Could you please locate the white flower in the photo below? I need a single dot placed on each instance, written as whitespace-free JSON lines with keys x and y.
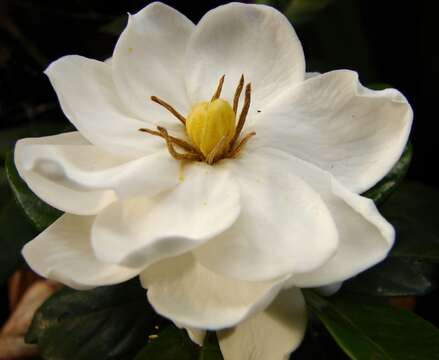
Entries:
{"x":222,"y":240}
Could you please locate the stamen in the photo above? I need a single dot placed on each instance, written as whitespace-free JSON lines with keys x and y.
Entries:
{"x":238,"y":94}
{"x":183,"y":144}
{"x":234,"y":153}
{"x":244,"y":112}
{"x":176,"y":155}
{"x":169,"y":108}
{"x":218,"y":89}
{"x":217,"y":150}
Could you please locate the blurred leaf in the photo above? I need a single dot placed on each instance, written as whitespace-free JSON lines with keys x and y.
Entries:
{"x":111,"y":322}
{"x":210,"y":349}
{"x":366,"y":328}
{"x":298,"y":11}
{"x":414,"y":211}
{"x":8,"y":137}
{"x":172,"y":343}
{"x":379,"y":86}
{"x":41,"y":214}
{"x":412,"y":265}
{"x":116,"y":26}
{"x":5,"y":191}
{"x":395,"y":277}
{"x":16,"y":230}
{"x":381,"y":191}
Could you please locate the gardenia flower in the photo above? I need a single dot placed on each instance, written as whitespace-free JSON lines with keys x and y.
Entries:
{"x":209,"y":163}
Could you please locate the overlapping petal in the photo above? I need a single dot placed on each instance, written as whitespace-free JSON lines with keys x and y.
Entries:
{"x":236,"y":39}
{"x":311,"y":253}
{"x":148,"y":60}
{"x":334,"y":122}
{"x":63,"y":253}
{"x":88,"y":98}
{"x":142,"y":230}
{"x":185,"y":291}
{"x":270,"y":334}
{"x":75,"y":176}
{"x":284,"y":227}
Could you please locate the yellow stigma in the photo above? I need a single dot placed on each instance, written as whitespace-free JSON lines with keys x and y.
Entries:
{"x":209,"y":122}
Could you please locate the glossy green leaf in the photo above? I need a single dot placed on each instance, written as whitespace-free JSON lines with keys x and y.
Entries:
{"x":395,"y":277}
{"x":381,"y":191}
{"x":366,"y":328}
{"x":40,"y":213}
{"x":414,"y":211}
{"x":172,"y":343}
{"x":16,"y":230}
{"x":412,"y":267}
{"x":111,"y":322}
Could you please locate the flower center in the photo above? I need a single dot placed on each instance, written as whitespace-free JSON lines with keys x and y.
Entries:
{"x":210,"y":126}
{"x":209,"y":122}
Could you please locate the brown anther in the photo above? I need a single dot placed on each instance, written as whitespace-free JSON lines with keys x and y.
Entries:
{"x":169,"y":108}
{"x":238,"y":92}
{"x":217,"y":151}
{"x":243,"y":115}
{"x":183,"y":144}
{"x":218,"y":89}
{"x":234,"y":153}
{"x":176,"y":155}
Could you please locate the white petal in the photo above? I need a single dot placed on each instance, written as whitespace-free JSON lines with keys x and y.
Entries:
{"x":143,"y":230}
{"x":186,"y":292}
{"x":331,"y":120}
{"x":77,"y":177}
{"x":88,"y":98}
{"x":330,"y":289}
{"x":365,"y":237}
{"x":148,"y":60}
{"x":63,"y":253}
{"x":235,"y":39}
{"x":196,"y":335}
{"x":284,"y":225}
{"x":271,"y":334}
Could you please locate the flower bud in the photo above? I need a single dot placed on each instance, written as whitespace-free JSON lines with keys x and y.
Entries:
{"x":209,"y":122}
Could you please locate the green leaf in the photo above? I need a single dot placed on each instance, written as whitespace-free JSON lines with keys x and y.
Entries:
{"x":395,"y":277}
{"x":40,"y":214}
{"x":412,"y":265}
{"x":381,"y":191}
{"x":210,"y":349}
{"x":16,"y":230}
{"x":413,"y":210}
{"x":116,"y":26}
{"x":366,"y":328}
{"x":111,"y":322}
{"x":5,"y":191}
{"x":298,"y":11}
{"x":172,"y":343}
{"x":9,"y":136}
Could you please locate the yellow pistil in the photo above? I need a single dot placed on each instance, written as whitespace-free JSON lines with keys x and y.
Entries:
{"x":209,"y":122}
{"x":211,"y":127}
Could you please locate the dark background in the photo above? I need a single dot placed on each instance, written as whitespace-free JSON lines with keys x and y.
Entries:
{"x":392,"y":42}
